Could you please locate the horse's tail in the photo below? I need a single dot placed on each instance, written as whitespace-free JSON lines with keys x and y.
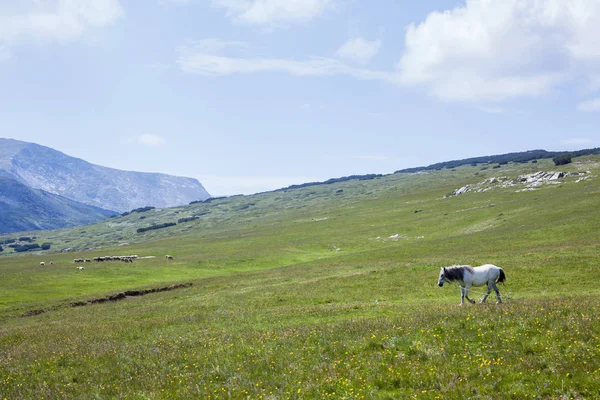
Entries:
{"x":502,"y":276}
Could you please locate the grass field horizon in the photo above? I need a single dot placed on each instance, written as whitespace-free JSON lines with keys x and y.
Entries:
{"x":321,"y":292}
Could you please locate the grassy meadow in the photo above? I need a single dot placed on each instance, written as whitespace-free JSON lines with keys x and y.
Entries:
{"x":319,"y":292}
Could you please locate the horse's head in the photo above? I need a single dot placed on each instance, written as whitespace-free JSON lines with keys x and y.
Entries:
{"x":442,"y":277}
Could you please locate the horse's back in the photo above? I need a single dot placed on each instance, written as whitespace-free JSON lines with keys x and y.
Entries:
{"x":485,"y":273}
{"x":501,"y":276}
{"x":488,"y":266}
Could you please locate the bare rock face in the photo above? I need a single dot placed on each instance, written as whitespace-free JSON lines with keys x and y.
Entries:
{"x":43,"y":168}
{"x":540,"y":177}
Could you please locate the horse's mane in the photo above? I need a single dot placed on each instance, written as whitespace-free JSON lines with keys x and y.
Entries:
{"x":457,"y":272}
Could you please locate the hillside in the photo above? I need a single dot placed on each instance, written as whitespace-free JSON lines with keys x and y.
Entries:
{"x":222,"y":214}
{"x":325,"y":291}
{"x":43,"y":168}
{"x":25,"y":209}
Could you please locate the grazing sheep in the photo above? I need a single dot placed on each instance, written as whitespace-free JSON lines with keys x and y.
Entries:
{"x":168,"y":257}
{"x":51,"y":263}
{"x":42,"y":263}
{"x":80,"y":268}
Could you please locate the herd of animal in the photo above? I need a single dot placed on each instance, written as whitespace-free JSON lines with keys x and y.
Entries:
{"x":127,"y":259}
{"x":107,"y":258}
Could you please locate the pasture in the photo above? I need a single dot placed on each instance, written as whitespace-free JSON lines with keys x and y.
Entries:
{"x":316,"y":293}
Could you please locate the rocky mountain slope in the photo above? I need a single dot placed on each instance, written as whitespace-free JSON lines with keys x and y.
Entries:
{"x":26,"y":209}
{"x":43,"y":168}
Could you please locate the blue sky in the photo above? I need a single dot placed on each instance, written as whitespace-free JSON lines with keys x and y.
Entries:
{"x":254,"y":95}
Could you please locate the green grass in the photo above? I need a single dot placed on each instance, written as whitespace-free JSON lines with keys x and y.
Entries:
{"x":276,"y":312}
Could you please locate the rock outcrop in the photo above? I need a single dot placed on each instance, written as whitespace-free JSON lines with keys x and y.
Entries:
{"x":522,"y":183}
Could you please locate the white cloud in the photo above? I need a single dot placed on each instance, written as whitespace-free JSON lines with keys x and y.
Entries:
{"x":359,"y":50}
{"x":207,"y":57}
{"x":53,"y":20}
{"x":274,"y":12}
{"x":150,"y":140}
{"x":492,"y":50}
{"x":590,"y":105}
{"x":213,"y":46}
{"x":484,"y":51}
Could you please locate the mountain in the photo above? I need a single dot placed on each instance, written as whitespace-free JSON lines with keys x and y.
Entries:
{"x":26,"y":209}
{"x":44,"y":168}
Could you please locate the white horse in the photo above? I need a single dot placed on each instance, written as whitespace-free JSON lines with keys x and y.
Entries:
{"x":467,"y":276}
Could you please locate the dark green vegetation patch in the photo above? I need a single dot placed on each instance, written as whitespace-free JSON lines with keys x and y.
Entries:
{"x":158,"y":226}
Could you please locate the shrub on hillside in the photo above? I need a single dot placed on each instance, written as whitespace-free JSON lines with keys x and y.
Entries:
{"x":1,"y":249}
{"x":143,"y":209}
{"x":182,"y":220}
{"x":243,"y":207}
{"x":26,"y":247}
{"x":159,"y":226}
{"x":335,"y":180}
{"x":46,"y":246}
{"x":562,"y":159}
{"x":211,"y":199}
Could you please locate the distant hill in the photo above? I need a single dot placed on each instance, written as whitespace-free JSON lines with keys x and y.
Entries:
{"x":26,"y":209}
{"x":520,"y":157}
{"x":43,"y":168}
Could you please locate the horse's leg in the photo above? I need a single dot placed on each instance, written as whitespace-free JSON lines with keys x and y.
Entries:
{"x":490,"y":285}
{"x":497,"y":293}
{"x":462,"y":295}
{"x":467,"y":288}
